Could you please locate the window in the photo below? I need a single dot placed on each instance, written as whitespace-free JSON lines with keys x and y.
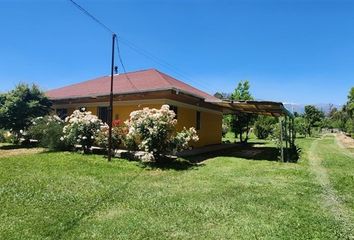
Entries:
{"x":198,"y":120}
{"x":103,"y":114}
{"x":62,"y":113}
{"x":175,"y":109}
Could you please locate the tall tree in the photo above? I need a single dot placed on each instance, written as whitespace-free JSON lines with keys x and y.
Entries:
{"x":19,"y":106}
{"x":313,"y":117}
{"x":242,"y":121}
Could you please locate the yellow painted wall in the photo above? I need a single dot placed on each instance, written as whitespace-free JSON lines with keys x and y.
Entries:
{"x":211,"y":123}
{"x":210,"y":129}
{"x":123,"y":112}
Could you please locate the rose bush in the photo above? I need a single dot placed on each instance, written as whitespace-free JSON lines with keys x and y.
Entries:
{"x":154,"y":131}
{"x":119,"y":131}
{"x":82,"y":128}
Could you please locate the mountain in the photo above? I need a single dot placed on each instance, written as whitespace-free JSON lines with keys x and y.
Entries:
{"x":300,"y":108}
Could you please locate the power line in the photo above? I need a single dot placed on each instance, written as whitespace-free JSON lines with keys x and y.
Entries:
{"x":121,"y":62}
{"x":139,"y":50}
{"x":83,"y":10}
{"x":91,"y":16}
{"x":161,"y":62}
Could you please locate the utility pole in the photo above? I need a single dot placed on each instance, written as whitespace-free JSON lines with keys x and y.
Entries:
{"x":110,"y":117}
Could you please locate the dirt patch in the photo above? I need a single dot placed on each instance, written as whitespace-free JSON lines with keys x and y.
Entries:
{"x":19,"y":151}
{"x":345,"y":141}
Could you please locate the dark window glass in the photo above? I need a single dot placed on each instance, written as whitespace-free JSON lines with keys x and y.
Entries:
{"x":103,"y":114}
{"x":198,"y":120}
{"x":175,"y":109}
{"x":62,"y":113}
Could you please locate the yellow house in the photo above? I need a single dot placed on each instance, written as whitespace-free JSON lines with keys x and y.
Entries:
{"x":147,"y":88}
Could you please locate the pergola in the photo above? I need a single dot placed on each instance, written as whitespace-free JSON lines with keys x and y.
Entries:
{"x":268,"y":108}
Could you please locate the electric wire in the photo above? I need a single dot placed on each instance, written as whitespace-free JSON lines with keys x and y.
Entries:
{"x":138,"y":50}
{"x":91,"y":16}
{"x":122,"y":64}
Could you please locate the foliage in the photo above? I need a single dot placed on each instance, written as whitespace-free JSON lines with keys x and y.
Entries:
{"x":82,"y":128}
{"x":48,"y":130}
{"x":341,"y":119}
{"x":264,"y":126}
{"x":241,"y":122}
{"x":21,"y":105}
{"x":279,"y":136}
{"x":153,"y":131}
{"x":225,"y":128}
{"x":313,"y":117}
{"x":2,"y":135}
{"x":300,"y":126}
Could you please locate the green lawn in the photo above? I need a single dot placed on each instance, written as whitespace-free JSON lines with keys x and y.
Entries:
{"x":71,"y":196}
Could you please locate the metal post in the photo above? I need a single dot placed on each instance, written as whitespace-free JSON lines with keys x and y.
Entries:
{"x":110,"y":117}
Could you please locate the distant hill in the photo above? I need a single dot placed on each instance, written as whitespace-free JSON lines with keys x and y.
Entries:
{"x":300,"y":108}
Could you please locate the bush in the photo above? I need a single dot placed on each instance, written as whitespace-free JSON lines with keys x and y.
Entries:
{"x":2,"y":136}
{"x":82,"y":128}
{"x":48,"y":130}
{"x":264,"y":126}
{"x":153,"y":131}
{"x":119,"y":130}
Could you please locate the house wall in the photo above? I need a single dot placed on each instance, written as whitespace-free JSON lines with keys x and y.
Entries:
{"x":210,"y":131}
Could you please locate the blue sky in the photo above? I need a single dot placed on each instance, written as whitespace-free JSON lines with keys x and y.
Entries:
{"x":290,"y":50}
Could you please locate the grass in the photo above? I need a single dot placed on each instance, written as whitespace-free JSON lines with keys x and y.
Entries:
{"x":71,"y":196}
{"x":340,"y":166}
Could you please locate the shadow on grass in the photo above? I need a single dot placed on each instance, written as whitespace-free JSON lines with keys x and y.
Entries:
{"x":178,"y":164}
{"x":13,"y":147}
{"x":250,"y":151}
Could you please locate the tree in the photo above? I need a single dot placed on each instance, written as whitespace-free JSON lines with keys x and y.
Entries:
{"x":21,"y":105}
{"x":242,"y":121}
{"x":350,"y":103}
{"x":313,"y":117}
{"x":300,"y":126}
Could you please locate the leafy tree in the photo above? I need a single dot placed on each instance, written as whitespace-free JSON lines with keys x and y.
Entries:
{"x":242,"y":121}
{"x":313,"y":117}
{"x":350,"y":103}
{"x":242,"y":92}
{"x":21,"y":105}
{"x":300,"y":126}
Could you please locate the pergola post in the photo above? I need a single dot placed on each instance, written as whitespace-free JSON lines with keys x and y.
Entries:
{"x":281,"y":140}
{"x":292,"y":132}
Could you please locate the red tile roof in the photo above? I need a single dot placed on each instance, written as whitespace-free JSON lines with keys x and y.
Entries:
{"x":133,"y":82}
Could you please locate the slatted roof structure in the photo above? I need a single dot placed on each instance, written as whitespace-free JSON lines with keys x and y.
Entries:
{"x":275,"y":109}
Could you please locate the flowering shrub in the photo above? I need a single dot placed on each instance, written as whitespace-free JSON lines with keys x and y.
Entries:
{"x":119,"y":130}
{"x":153,"y":131}
{"x":48,"y":130}
{"x":82,"y":128}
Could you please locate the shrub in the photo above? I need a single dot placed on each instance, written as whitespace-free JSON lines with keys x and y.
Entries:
{"x":119,"y":130}
{"x":82,"y":128}
{"x":48,"y":130}
{"x":264,"y":126}
{"x":154,"y":131}
{"x":2,"y":136}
